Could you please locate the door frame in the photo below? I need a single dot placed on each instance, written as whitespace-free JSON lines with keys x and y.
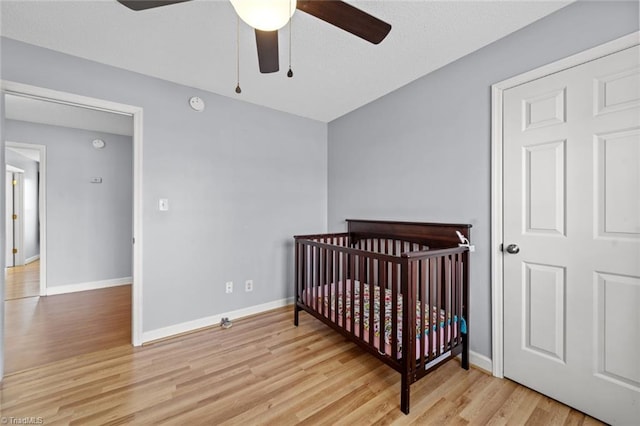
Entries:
{"x":42,"y":206}
{"x":497,"y":95}
{"x":136,"y":113}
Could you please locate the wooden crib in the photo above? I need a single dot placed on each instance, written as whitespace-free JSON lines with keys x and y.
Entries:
{"x":352,"y":281}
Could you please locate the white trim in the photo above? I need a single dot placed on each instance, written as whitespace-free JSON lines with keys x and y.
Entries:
{"x":92,"y":285}
{"x":185,"y":327}
{"x":479,"y":361}
{"x":136,"y":291}
{"x":117,"y":108}
{"x":42,"y":207}
{"x":35,"y":92}
{"x":32,"y":259}
{"x":497,"y":331}
{"x":497,"y":95}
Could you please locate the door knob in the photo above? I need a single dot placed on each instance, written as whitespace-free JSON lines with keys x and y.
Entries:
{"x":513,"y":249}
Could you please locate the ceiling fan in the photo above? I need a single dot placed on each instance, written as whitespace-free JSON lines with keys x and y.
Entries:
{"x":335,"y":12}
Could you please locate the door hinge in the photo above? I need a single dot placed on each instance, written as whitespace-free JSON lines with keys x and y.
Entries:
{"x":134,"y":240}
{"x":15,"y":217}
{"x":14,"y":182}
{"x":15,"y":250}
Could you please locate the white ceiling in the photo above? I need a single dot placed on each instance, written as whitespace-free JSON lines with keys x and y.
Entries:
{"x":31,"y":154}
{"x":194,"y":44}
{"x":45,"y":112}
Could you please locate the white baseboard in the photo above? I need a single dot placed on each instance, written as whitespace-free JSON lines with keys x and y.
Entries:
{"x":93,"y":285}
{"x":31,"y":259}
{"x":172,"y":330}
{"x":480,"y":361}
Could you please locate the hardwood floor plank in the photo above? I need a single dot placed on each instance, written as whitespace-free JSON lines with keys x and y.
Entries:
{"x":263,"y":370}
{"x":22,"y":281}
{"x":52,"y":328}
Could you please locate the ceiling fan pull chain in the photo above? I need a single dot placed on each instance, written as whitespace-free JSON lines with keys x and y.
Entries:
{"x":238,"y":89}
{"x":290,"y":73}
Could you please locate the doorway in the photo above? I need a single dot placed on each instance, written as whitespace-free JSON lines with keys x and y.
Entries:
{"x":25,"y":273}
{"x":134,"y":115}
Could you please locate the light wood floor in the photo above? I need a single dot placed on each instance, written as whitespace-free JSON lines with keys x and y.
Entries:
{"x":40,"y":330}
{"x":22,"y":281}
{"x":263,"y":370}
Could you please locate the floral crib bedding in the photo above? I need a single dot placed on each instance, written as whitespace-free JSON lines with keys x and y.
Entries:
{"x":325,"y":299}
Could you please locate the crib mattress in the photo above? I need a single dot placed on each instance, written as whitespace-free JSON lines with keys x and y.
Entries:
{"x":325,"y":300}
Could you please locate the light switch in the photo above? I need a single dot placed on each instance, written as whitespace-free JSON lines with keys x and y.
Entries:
{"x":163,"y":204}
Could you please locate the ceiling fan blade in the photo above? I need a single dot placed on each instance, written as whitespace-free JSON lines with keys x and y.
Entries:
{"x":347,"y":17}
{"x":138,"y":5}
{"x":267,"y":42}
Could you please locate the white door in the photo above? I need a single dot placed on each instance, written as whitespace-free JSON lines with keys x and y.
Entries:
{"x":572,"y":207}
{"x":14,"y":200}
{"x":9,"y":246}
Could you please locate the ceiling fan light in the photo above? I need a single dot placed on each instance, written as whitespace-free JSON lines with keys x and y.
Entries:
{"x":265,"y":15}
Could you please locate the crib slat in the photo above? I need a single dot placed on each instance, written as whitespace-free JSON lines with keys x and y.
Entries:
{"x":424,"y":308}
{"x":433,"y":270}
{"x":448,"y":318}
{"x":439,"y":305}
{"x":371,"y":300}
{"x":299,"y":268}
{"x":455,"y":277}
{"x":337,"y":279}
{"x":410,"y":351}
{"x":394,"y":312}
{"x":329,"y":280}
{"x":428,"y":303}
{"x":461,"y":292}
{"x":382,"y":283}
{"x":316,"y":278}
{"x":349,"y":283}
{"x":361,"y":264}
{"x":312,"y":276}
{"x":323,"y":280}
{"x":307,"y":275}
{"x":454,"y":300}
{"x":308,"y":253}
{"x":462,"y":289}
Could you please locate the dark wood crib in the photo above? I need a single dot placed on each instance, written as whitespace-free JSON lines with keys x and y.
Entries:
{"x":363,"y":283}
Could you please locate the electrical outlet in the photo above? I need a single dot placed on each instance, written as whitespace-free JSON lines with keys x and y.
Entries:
{"x":229,"y":287}
{"x":248,"y":285}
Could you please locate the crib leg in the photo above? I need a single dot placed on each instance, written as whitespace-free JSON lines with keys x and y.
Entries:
{"x":404,"y":394}
{"x":465,"y":351}
{"x":296,"y":315}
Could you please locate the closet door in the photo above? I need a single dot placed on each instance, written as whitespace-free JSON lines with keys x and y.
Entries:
{"x":572,"y":236}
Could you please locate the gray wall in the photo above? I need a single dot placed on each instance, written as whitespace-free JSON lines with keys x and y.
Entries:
{"x":89,"y":226}
{"x":30,"y":215}
{"x":240,"y":179}
{"x":423,"y":152}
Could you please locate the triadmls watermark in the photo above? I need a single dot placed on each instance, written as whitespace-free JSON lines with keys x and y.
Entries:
{"x":27,"y":420}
